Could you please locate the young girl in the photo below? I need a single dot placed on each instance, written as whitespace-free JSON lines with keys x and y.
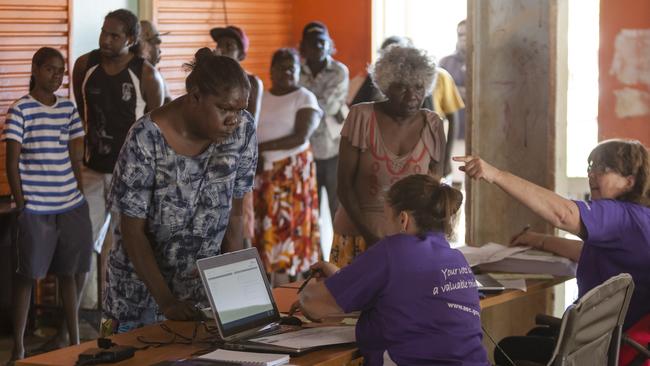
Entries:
{"x":417,"y":296}
{"x":43,"y":132}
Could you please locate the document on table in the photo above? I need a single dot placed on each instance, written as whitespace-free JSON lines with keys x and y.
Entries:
{"x":533,"y":261}
{"x":247,"y":358}
{"x":519,"y":284}
{"x":311,"y":337}
{"x":488,"y":253}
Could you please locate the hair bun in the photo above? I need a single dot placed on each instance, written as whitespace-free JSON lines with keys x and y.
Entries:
{"x":203,"y":55}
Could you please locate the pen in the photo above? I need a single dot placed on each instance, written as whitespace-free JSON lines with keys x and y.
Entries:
{"x":526,"y":228}
{"x":311,"y":275}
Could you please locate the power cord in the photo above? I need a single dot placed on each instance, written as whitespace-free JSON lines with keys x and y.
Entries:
{"x":177,"y":338}
{"x":109,"y":352}
{"x":512,"y":363}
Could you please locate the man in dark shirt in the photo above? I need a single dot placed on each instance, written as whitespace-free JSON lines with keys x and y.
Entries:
{"x":114,"y":87}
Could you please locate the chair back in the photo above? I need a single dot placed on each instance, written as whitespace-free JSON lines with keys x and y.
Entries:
{"x":590,"y":333}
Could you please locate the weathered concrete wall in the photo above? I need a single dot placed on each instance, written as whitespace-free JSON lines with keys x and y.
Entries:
{"x":512,"y":109}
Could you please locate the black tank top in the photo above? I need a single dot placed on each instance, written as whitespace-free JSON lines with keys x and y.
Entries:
{"x":112,"y":103}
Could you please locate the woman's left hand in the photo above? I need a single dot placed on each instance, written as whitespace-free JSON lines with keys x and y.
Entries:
{"x":477,"y":168}
{"x":530,"y":239}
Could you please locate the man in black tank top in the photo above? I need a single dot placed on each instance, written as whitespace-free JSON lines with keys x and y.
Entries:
{"x":113,"y":88}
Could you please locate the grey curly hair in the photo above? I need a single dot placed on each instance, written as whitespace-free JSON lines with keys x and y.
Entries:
{"x":405,"y":65}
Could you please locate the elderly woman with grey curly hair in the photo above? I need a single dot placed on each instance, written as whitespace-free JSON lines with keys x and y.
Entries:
{"x":383,"y":142}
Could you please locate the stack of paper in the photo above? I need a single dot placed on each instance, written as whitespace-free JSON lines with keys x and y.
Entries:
{"x":533,"y":261}
{"x":311,"y":337}
{"x":500,"y":258}
{"x":247,"y":358}
{"x":488,"y":253}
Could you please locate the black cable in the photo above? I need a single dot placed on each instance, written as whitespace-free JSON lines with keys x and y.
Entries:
{"x":178,"y":338}
{"x":512,"y":363}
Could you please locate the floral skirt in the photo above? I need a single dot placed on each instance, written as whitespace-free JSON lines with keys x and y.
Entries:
{"x":287,"y":233}
{"x":345,"y":248}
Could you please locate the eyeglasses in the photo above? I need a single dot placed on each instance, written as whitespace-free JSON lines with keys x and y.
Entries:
{"x":599,"y":169}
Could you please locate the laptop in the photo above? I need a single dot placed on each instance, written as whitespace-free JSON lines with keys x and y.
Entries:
{"x":487,"y":284}
{"x":242,"y":303}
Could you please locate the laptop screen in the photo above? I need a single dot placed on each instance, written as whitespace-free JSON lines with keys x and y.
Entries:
{"x":239,"y":292}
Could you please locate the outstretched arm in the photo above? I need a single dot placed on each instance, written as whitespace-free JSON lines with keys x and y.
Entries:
{"x":555,"y":209}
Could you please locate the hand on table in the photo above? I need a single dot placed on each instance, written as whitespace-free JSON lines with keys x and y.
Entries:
{"x":297,"y":307}
{"x":528,"y":238}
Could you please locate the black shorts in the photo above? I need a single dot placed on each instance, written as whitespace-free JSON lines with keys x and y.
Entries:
{"x":60,"y":244}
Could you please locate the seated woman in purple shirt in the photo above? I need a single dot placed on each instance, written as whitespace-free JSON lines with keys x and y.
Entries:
{"x":614,"y":225}
{"x":417,"y":296}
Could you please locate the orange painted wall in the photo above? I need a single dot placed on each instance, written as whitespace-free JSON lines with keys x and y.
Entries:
{"x":349,"y":24}
{"x":616,"y":15}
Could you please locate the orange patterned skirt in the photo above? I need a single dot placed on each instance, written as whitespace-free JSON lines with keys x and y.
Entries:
{"x":345,"y":248}
{"x":287,"y":232}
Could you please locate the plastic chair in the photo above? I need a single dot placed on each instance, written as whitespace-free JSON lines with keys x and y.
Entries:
{"x":590,"y":332}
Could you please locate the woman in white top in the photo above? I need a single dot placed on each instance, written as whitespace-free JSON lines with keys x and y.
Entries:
{"x":286,"y":198}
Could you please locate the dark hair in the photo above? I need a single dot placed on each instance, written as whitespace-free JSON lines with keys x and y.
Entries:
{"x":316,"y":27}
{"x":405,"y":41}
{"x":626,"y":157}
{"x":432,"y":204}
{"x":285,"y":53}
{"x":213,"y":74}
{"x":40,"y":58}
{"x":131,"y":26}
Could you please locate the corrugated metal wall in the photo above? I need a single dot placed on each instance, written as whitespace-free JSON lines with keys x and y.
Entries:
{"x":266,"y":22}
{"x":25,"y":26}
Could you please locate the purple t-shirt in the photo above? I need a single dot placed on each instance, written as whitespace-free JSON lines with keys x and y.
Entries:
{"x":617,"y":241}
{"x":418,"y":300}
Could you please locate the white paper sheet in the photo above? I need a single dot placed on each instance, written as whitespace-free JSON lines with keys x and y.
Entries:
{"x":247,"y":358}
{"x":311,"y":337}
{"x":519,"y":284}
{"x":488,"y":253}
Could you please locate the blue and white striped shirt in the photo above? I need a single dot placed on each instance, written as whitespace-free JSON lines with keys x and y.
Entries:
{"x":48,"y":182}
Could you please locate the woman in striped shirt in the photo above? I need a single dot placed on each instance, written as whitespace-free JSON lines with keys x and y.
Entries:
{"x":43,"y":131}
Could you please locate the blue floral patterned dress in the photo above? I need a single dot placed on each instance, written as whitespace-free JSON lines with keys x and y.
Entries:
{"x":186,"y":202}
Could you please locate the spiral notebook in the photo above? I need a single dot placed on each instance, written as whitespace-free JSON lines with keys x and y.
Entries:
{"x":247,"y":358}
